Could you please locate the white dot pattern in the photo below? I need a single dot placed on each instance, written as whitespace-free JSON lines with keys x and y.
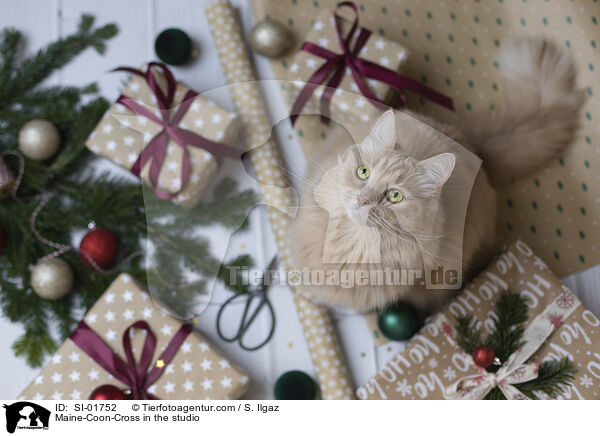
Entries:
{"x":320,"y":336}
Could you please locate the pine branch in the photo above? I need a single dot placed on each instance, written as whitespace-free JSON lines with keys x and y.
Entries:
{"x":507,"y":335}
{"x":553,"y":377}
{"x":468,"y":333}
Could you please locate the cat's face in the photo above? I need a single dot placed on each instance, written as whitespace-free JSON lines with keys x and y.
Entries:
{"x":378,"y":186}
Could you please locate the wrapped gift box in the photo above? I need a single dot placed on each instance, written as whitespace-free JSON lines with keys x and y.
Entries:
{"x":197,"y":371}
{"x":121,"y":136}
{"x":347,"y":102}
{"x":430,"y":363}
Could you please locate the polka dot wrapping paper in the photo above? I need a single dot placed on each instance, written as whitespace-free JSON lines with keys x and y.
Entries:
{"x":332,"y":374}
{"x":430,"y":363}
{"x":197,"y":371}
{"x":453,"y":46}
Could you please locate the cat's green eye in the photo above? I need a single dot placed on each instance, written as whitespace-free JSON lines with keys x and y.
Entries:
{"x":395,"y":196}
{"x":362,"y":172}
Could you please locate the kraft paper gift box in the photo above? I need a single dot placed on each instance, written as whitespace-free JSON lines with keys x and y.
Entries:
{"x":121,"y":136}
{"x":347,"y":102}
{"x":197,"y":371}
{"x":430,"y":363}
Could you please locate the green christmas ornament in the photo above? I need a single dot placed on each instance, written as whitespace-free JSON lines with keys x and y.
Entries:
{"x":173,"y":46}
{"x":295,"y":385}
{"x":398,"y":322}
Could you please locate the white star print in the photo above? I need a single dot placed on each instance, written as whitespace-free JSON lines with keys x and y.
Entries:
{"x":186,"y":347}
{"x":128,"y":295}
{"x":187,"y":366}
{"x":385,"y":61}
{"x":111,"y":145}
{"x":39,"y":379}
{"x":172,"y":166}
{"x":176,"y":183}
{"x":380,"y":44}
{"x":109,"y":298}
{"x":91,"y":319}
{"x":75,"y":395}
{"x":128,"y":141}
{"x":401,"y":56}
{"x":93,"y":374}
{"x":134,"y":86}
{"x":318,"y":26}
{"x":206,"y":364}
{"x":199,"y":123}
{"x":188,"y":385}
{"x":74,"y":357}
{"x":128,"y":314}
{"x":195,"y":106}
{"x":226,"y":382}
{"x":166,"y":330}
{"x":169,"y":369}
{"x":132,"y":157}
{"x":216,"y":118}
{"x":111,"y":334}
{"x":56,"y":359}
{"x":323,"y":42}
{"x":223,"y":364}
{"x":311,"y":63}
{"x":169,"y":387}
{"x":74,"y":376}
{"x":207,"y":384}
{"x":109,"y":316}
{"x":107,"y":128}
{"x":57,"y":395}
{"x":195,"y":178}
{"x":56,"y":377}
{"x":146,"y":313}
{"x":294,"y":68}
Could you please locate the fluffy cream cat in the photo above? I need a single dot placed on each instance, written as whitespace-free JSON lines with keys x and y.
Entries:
{"x":394,"y":200}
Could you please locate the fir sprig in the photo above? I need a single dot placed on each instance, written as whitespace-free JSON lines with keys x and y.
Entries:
{"x":506,"y":337}
{"x":81,"y":197}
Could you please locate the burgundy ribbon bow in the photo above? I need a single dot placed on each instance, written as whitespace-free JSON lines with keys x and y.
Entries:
{"x":336,"y":64}
{"x":132,"y":374}
{"x":157,"y":147}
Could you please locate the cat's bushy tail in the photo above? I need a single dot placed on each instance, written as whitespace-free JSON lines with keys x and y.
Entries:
{"x":539,"y":115}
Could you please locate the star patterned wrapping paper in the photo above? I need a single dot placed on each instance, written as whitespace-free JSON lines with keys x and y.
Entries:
{"x":346,"y":106}
{"x":429,"y":363}
{"x":453,"y":48}
{"x":121,"y":135}
{"x":196,"y":372}
{"x":319,"y":332}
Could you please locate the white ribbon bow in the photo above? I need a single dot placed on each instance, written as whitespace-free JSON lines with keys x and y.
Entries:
{"x":514,"y":370}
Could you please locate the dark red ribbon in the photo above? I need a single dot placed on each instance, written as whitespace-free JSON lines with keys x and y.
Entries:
{"x":157,"y":147}
{"x":134,"y":375}
{"x":361,"y":69}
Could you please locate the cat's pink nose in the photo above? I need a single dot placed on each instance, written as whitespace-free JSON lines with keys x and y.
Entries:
{"x":362,"y":201}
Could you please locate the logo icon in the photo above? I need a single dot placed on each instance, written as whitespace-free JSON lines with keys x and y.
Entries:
{"x":26,"y":415}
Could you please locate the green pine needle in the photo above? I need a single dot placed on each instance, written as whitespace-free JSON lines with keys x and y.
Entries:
{"x":81,"y":196}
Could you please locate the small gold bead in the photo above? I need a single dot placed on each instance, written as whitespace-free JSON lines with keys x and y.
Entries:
{"x":160,"y":363}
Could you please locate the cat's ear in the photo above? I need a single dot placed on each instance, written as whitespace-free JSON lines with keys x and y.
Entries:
{"x":383,"y":134}
{"x":437,"y":169}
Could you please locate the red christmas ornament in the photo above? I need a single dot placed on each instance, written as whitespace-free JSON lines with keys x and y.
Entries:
{"x":483,"y":355}
{"x":102,"y":246}
{"x":1,"y":238}
{"x":107,"y":392}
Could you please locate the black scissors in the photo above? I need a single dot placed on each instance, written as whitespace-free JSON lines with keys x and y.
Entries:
{"x":260,"y":293}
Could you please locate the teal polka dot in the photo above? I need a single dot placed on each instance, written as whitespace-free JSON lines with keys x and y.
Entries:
{"x":545,"y":21}
{"x":494,"y":87}
{"x":560,"y":184}
{"x":509,"y":226}
{"x":583,"y":211}
{"x":537,"y":182}
{"x":559,"y":233}
{"x":533,"y":229}
{"x":468,"y":106}
{"x":569,"y":19}
{"x":556,"y":255}
{"x":499,"y":21}
{"x":429,"y":15}
{"x":559,"y":208}
{"x":568,"y":43}
{"x":450,"y":38}
{"x":476,"y":19}
{"x":534,"y":205}
{"x":474,"y":40}
{"x":581,"y":258}
{"x":509,"y":202}
{"x":472,"y":61}
{"x":428,"y":36}
{"x":523,"y":22}
{"x":471,"y":84}
{"x":581,"y":234}
{"x":452,"y":16}
{"x":448,"y":59}
{"x":584,"y":187}
{"x":426,"y":56}
{"x":407,"y":12}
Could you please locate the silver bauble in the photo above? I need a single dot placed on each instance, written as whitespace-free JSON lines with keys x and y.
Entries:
{"x":39,"y":139}
{"x":52,"y":278}
{"x":270,"y":38}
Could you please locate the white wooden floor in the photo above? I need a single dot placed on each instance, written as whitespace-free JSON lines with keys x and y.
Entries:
{"x":140,"y":21}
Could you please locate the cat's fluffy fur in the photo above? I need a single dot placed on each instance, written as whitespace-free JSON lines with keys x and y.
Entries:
{"x":336,"y":230}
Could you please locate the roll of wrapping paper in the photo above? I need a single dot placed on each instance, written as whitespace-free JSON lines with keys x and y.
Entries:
{"x":326,"y":354}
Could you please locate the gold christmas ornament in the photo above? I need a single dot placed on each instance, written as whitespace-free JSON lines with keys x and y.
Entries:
{"x":270,"y":38}
{"x":52,"y":278}
{"x":39,"y":139}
